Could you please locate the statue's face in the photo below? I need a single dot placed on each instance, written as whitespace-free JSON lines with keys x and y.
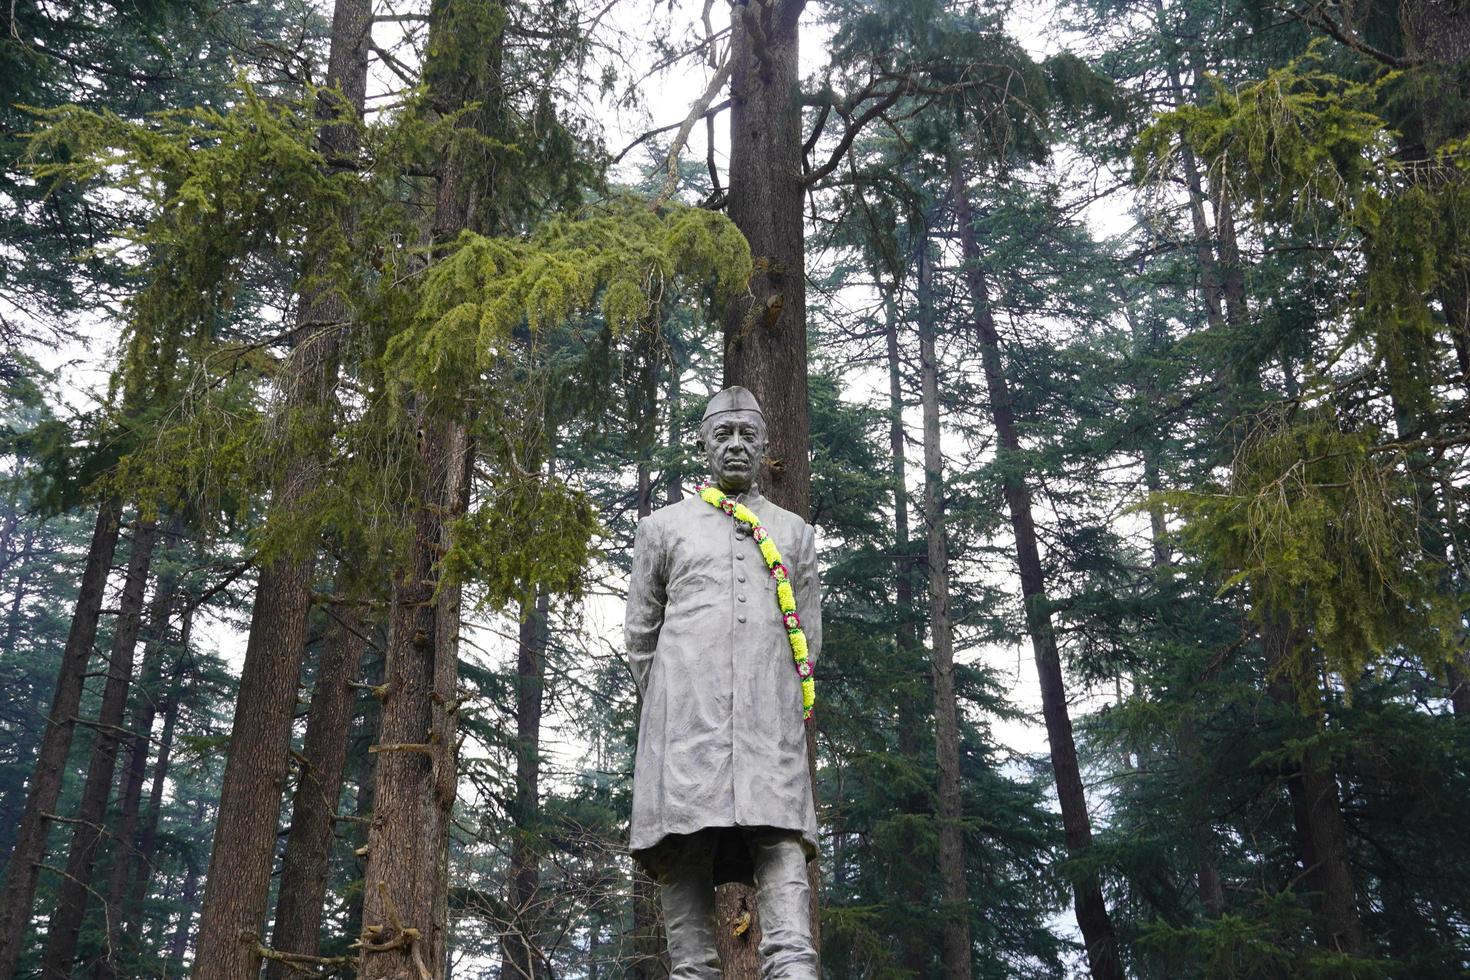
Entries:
{"x":734,"y":445}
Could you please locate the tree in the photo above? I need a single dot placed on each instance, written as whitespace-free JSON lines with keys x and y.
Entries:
{"x":238,"y":880}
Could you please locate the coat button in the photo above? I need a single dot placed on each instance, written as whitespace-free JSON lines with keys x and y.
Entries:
{"x":741,"y":597}
{"x":739,"y":557}
{"x":740,"y":618}
{"x":740,"y":578}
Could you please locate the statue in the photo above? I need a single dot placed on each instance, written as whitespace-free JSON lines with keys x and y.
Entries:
{"x":721,"y":790}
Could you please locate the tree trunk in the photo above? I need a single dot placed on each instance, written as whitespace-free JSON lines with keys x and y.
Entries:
{"x":30,"y":844}
{"x":24,"y":746}
{"x":765,"y":335}
{"x":179,"y":943}
{"x":145,"y":711}
{"x":1321,"y":833}
{"x":915,"y":951}
{"x":405,"y":924}
{"x":405,"y":890}
{"x":142,"y":863}
{"x":519,"y":946}
{"x":362,"y":811}
{"x":74,"y":888}
{"x":1092,"y":915}
{"x":956,"y":951}
{"x":307,"y":860}
{"x":17,"y":602}
{"x":238,"y":883}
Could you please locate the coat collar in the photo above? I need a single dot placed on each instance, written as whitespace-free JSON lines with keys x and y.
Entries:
{"x":751,"y":498}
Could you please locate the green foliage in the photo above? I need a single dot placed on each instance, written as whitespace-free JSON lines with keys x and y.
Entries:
{"x":221,"y":187}
{"x":617,"y":260}
{"x":1318,"y":524}
{"x":1300,"y":139}
{"x":1308,"y":147}
{"x":527,"y":535}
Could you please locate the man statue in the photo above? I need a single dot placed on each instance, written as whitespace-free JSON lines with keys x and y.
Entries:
{"x":721,"y":790}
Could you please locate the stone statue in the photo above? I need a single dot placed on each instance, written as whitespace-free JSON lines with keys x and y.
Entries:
{"x":721,"y":790}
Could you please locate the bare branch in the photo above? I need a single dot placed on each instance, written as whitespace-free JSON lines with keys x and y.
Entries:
{"x":700,"y":107}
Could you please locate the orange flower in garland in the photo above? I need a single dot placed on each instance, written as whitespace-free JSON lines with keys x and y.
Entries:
{"x":785,"y":595}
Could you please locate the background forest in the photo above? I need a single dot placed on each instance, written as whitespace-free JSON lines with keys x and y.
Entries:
{"x":1119,"y":351}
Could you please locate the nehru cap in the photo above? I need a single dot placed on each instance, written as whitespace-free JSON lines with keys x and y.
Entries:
{"x":734,"y":399}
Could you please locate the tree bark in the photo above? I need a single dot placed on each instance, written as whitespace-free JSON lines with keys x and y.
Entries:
{"x":405,"y":925}
{"x":135,"y":769}
{"x":307,"y":859}
{"x":519,"y":946}
{"x":362,"y":810}
{"x":13,"y":802}
{"x":956,"y":950}
{"x":142,"y":863}
{"x":765,"y":335}
{"x":1103,"y":955}
{"x":22,"y":579}
{"x":1321,"y":832}
{"x":238,"y":883}
{"x":73,"y":889}
{"x":30,"y":845}
{"x":405,"y":890}
{"x":915,"y":946}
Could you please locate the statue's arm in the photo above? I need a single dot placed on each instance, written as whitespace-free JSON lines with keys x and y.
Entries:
{"x":646,"y":596}
{"x":809,"y":592}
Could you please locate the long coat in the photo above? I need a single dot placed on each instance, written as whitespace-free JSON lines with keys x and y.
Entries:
{"x":721,"y":741}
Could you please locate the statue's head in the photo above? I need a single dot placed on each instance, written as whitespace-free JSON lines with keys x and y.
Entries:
{"x":733,"y":437}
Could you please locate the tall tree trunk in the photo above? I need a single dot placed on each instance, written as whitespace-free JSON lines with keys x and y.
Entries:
{"x":765,"y":335}
{"x":307,"y":860}
{"x":179,"y":942}
{"x":914,"y":954}
{"x":135,"y":769}
{"x":1321,"y":832}
{"x":12,"y":803}
{"x":142,"y":863}
{"x":22,"y":580}
{"x":405,"y":890}
{"x":405,"y":924}
{"x":956,"y":952}
{"x":1103,"y":955}
{"x":238,"y":883}
{"x":74,"y":888}
{"x":362,"y":810}
{"x":30,"y":844}
{"x":519,"y":946}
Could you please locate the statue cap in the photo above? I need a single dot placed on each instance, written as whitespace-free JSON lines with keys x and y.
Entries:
{"x":732,"y":399}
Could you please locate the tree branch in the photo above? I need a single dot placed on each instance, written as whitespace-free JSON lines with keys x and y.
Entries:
{"x":700,"y":107}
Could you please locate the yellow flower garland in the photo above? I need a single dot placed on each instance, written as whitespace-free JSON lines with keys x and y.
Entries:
{"x":785,"y":596}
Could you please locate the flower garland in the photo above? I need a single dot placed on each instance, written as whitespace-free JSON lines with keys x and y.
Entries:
{"x":785,"y":596}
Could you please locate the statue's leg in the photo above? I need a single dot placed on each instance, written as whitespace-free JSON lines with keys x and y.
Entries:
{"x":687,"y":888}
{"x":784,"y":899}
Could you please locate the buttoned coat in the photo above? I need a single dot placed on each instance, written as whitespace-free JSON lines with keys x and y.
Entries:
{"x":721,"y":741}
